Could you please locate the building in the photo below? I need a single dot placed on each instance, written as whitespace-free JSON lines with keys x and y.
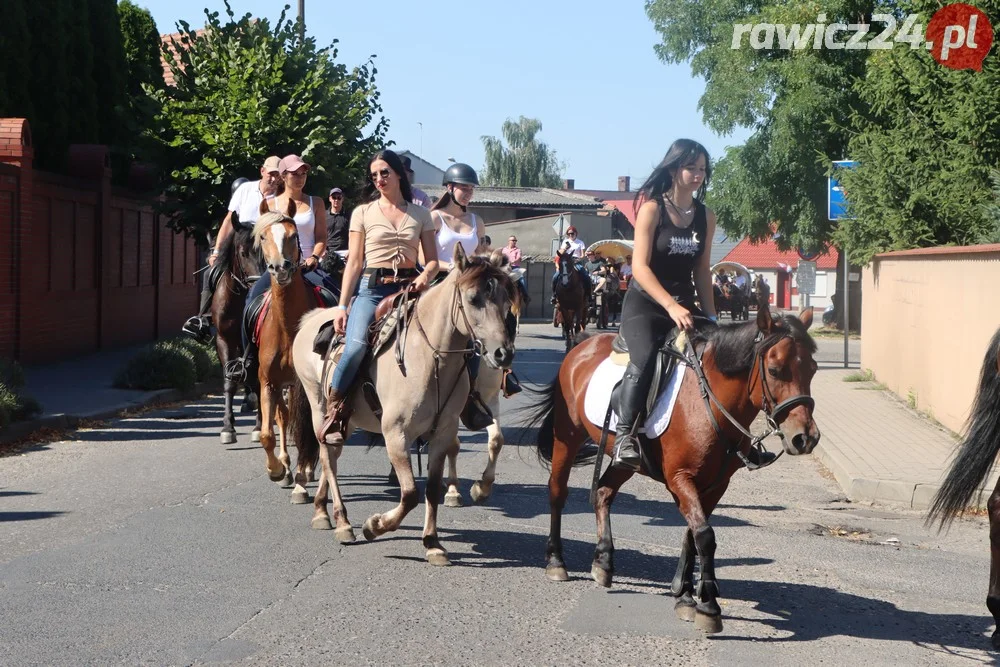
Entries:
{"x":424,"y":173}
{"x":778,"y":269}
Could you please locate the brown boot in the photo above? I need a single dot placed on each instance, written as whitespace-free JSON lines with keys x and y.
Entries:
{"x":337,"y":416}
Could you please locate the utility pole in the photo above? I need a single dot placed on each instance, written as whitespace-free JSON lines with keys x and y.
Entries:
{"x":421,"y":137}
{"x":302,"y":20}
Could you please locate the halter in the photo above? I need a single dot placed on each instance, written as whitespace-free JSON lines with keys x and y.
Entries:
{"x":772,"y":410}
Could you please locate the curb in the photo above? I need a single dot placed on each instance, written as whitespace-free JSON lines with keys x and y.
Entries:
{"x":25,"y":429}
{"x":911,"y":495}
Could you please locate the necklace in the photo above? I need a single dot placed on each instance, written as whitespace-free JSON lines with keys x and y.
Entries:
{"x":678,"y":209}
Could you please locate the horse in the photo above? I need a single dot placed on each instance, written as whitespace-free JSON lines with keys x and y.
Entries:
{"x":766,"y":365}
{"x":975,"y":458}
{"x":571,"y":294}
{"x":421,"y":389}
{"x":290,"y":298}
{"x":735,"y":301}
{"x":236,"y":265}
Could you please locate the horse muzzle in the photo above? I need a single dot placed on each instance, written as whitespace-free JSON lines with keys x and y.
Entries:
{"x":282,"y":274}
{"x":502,"y":357}
{"x":799,"y":433}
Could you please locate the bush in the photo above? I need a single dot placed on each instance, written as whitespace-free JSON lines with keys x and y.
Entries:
{"x":13,"y":405}
{"x":160,"y":366}
{"x":11,"y":374}
{"x":8,"y":405}
{"x":206,"y":363}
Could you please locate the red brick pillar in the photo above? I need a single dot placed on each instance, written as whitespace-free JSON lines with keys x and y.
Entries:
{"x":16,"y":150}
{"x":92,"y":162}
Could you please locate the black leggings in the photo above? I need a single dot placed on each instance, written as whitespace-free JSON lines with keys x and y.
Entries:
{"x":645,"y":327}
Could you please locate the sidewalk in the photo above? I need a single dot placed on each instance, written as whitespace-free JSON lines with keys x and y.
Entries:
{"x":879,"y":450}
{"x":80,"y":389}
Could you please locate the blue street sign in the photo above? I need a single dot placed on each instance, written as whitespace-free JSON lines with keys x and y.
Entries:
{"x":836,"y":201}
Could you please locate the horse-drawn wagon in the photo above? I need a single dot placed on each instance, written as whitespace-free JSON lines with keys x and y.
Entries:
{"x":731,"y":286}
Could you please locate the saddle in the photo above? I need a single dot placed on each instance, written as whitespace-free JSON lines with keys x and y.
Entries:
{"x":214,"y":275}
{"x":255,"y":311}
{"x":666,"y":359}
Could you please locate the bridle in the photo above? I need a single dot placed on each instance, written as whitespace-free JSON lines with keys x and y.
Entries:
{"x":768,"y":405}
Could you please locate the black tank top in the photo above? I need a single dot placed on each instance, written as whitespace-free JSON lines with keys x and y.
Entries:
{"x":676,"y":252}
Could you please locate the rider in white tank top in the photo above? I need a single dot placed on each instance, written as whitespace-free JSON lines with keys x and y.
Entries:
{"x":447,"y":239}
{"x":305,"y":222}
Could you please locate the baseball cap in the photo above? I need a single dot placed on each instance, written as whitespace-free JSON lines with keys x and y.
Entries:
{"x":335,"y":191}
{"x":291,"y":163}
{"x":272,"y":163}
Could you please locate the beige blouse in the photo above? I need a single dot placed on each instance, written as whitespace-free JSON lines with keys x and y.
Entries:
{"x":384,"y":244}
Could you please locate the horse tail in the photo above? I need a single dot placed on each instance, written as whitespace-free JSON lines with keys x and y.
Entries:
{"x":542,"y":414}
{"x":978,"y":451}
{"x":302,"y":431}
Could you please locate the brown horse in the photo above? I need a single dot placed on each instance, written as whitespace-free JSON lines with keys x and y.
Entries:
{"x":276,"y":236}
{"x":766,"y":365}
{"x":976,"y":457}
{"x":571,"y":293}
{"x":238,"y":263}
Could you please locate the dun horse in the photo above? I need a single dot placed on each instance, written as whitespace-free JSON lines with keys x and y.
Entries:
{"x":276,"y":235}
{"x":976,"y":457}
{"x":571,"y":293}
{"x":421,"y":396}
{"x":238,"y":261}
{"x":765,"y":365}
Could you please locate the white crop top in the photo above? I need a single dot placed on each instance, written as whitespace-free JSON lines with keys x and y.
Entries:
{"x":305,"y":222}
{"x":447,"y":238}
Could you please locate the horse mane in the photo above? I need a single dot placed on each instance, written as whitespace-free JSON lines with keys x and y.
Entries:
{"x":240,"y":237}
{"x":479,"y":267}
{"x":264,"y":223}
{"x":735,"y":345}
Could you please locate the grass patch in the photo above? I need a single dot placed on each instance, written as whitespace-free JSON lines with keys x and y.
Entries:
{"x":831,"y":332}
{"x":865,"y":375}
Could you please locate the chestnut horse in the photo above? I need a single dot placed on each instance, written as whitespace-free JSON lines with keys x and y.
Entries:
{"x":766,"y":365}
{"x":976,"y":457}
{"x":571,"y":293}
{"x":291,"y":298}
{"x":238,"y":263}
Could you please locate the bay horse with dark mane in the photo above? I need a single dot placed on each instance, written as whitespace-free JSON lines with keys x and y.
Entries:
{"x":976,"y":456}
{"x":237,"y":264}
{"x":766,"y":365}
{"x":571,"y":294}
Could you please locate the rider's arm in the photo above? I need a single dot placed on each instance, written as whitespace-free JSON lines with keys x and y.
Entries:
{"x":703,"y":270}
{"x":645,"y":228}
{"x":224,"y":231}
{"x":428,"y":243}
{"x":355,"y":263}
{"x":480,"y":233}
{"x":319,"y":229}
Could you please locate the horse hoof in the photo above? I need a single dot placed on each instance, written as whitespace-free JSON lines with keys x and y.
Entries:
{"x":321,"y":523}
{"x":438,"y":558}
{"x":556,"y":573}
{"x":345,"y":535}
{"x":710,"y":625}
{"x":685,"y":611}
{"x":276,"y":476}
{"x":300,"y":497}
{"x":227,"y":438}
{"x":477,"y":494}
{"x":369,"y":529}
{"x":453,"y":500}
{"x":254,"y":436}
{"x":287,"y":479}
{"x":603,"y":577}
{"x":996,"y":640}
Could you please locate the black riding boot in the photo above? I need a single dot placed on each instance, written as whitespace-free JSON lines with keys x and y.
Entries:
{"x":199,"y":326}
{"x":631,"y":403}
{"x":476,"y":414}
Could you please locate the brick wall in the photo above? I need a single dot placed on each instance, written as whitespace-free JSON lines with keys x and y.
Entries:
{"x":84,"y":267}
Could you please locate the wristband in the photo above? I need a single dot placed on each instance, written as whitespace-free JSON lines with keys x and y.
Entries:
{"x":215,"y":251}
{"x":339,"y":307}
{"x":714,"y":318}
{"x":314,"y":256}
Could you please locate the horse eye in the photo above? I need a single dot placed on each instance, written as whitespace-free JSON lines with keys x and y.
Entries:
{"x":773,"y":372}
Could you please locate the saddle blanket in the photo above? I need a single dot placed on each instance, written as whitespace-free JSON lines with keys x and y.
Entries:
{"x":607,"y":375}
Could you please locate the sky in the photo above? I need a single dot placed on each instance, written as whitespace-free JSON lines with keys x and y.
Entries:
{"x":450,"y":73}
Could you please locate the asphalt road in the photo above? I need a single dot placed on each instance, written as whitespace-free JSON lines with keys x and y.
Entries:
{"x":148,"y":542}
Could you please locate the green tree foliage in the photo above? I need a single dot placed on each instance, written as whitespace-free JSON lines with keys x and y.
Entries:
{"x":15,"y":61}
{"x":141,"y":44}
{"x":925,"y":138}
{"x":524,"y":161}
{"x":798,"y":102}
{"x":993,"y":211}
{"x":108,"y":71}
{"x":246,"y":89}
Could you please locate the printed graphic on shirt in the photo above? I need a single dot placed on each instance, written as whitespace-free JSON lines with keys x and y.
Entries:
{"x":684,"y":245}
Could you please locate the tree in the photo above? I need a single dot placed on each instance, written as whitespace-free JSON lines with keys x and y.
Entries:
{"x":798,"y":101}
{"x":925,"y":141}
{"x":141,"y":46}
{"x":524,"y":162}
{"x":244,"y":90}
{"x":993,"y":211}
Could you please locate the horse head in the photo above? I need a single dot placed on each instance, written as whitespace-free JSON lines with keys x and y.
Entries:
{"x":244,"y":259}
{"x":485,"y":296}
{"x":568,"y":275}
{"x":781,"y":375}
{"x":277,"y":237}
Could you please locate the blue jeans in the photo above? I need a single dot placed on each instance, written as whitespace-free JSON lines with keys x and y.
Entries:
{"x":356,"y":339}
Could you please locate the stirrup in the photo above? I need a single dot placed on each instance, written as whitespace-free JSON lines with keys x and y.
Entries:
{"x":476,"y":414}
{"x":627,"y":453}
{"x":236,"y":370}
{"x":510,"y":384}
{"x":335,"y":420}
{"x":198,"y":327}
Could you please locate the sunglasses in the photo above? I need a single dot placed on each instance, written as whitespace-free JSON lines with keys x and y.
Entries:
{"x":384,"y":173}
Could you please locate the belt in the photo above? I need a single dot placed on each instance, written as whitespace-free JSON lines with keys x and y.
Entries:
{"x":382,"y":276}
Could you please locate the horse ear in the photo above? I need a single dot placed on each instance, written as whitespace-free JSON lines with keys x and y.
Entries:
{"x":498,"y":259}
{"x":764,"y":321}
{"x":458,"y":257}
{"x":806,"y":316}
{"x":263,"y":208}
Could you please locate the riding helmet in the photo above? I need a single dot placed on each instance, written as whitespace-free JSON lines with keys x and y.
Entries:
{"x":460,"y":173}
{"x":237,"y":183}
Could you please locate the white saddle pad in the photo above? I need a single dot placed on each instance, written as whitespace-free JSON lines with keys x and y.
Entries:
{"x":607,"y":375}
